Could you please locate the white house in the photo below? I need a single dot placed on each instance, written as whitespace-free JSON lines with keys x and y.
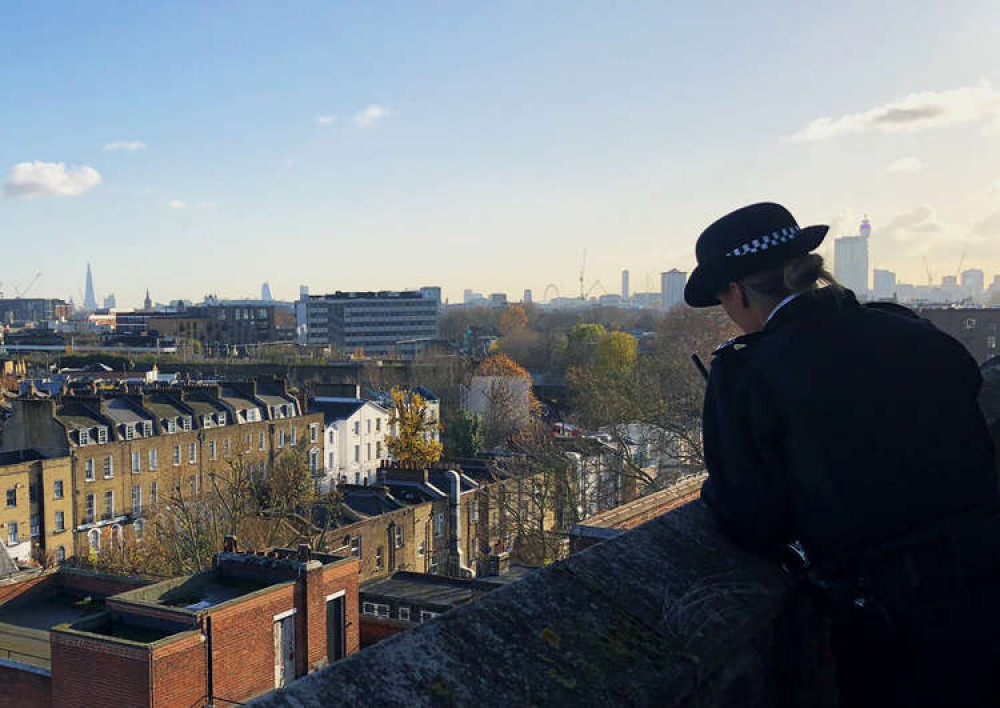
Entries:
{"x":354,"y":432}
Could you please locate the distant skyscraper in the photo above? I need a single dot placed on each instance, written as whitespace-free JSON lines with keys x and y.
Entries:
{"x":89,"y":299}
{"x":625,"y":285}
{"x":850,"y":260}
{"x":147,"y":303}
{"x":527,"y":296}
{"x":672,"y":288}
{"x":265,"y":292}
{"x":973,"y":283}
{"x":109,"y":302}
{"x":883,"y":284}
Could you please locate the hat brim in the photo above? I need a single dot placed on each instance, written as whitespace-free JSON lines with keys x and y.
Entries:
{"x":703,"y":287}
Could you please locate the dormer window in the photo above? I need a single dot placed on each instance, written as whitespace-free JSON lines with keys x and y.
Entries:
{"x":147,"y":428}
{"x":84,"y":436}
{"x":129,"y":431}
{"x":185,"y":422}
{"x":206,"y":421}
{"x":170,"y":424}
{"x":222,"y":418}
{"x":102,"y":434}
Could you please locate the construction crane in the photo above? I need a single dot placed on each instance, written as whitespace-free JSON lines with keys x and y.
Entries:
{"x":23,"y":292}
{"x":930,"y":274}
{"x":583,"y":267}
{"x":596,"y":284}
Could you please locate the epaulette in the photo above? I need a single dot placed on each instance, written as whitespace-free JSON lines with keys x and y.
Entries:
{"x":735,"y":344}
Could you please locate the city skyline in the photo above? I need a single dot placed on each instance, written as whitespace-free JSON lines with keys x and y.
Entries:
{"x":484,"y":148}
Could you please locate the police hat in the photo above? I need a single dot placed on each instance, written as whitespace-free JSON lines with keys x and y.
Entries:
{"x":749,"y":240}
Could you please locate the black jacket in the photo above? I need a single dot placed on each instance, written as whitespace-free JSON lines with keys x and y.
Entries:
{"x":843,"y":426}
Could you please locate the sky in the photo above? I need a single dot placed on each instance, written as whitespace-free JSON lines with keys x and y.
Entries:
{"x":206,"y":147}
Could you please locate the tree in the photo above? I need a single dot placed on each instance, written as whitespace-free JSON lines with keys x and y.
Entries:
{"x":581,"y":344}
{"x":513,"y":319}
{"x":465,"y":434}
{"x":616,"y":353}
{"x":414,"y":436}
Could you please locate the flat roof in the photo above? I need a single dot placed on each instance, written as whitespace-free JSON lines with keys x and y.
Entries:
{"x":25,"y":624}
{"x":194,"y":592}
{"x":425,"y":589}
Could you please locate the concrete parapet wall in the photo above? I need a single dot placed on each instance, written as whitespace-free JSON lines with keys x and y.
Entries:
{"x":668,"y":614}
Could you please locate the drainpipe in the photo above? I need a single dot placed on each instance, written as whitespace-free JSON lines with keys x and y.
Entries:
{"x":455,"y":566}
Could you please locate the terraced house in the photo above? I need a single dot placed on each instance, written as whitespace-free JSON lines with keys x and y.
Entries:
{"x":98,"y":464}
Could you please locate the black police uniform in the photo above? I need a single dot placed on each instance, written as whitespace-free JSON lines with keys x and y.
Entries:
{"x":855,"y":431}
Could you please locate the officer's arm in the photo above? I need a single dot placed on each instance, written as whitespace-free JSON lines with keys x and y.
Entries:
{"x":745,"y":488}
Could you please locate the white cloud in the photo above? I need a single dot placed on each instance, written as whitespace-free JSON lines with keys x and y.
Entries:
{"x":369,"y":114}
{"x":905,"y":164}
{"x":326,"y":119}
{"x":979,"y":103}
{"x":126,"y":145}
{"x":49,"y":179}
{"x":177,"y":205}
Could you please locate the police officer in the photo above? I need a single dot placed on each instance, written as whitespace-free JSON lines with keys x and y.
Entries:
{"x":853,"y":432}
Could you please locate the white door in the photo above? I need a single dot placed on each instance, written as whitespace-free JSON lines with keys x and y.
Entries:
{"x":284,"y":651}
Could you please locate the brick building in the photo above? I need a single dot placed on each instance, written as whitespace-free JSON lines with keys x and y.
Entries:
{"x":254,"y":622}
{"x":106,"y":461}
{"x":975,"y":327}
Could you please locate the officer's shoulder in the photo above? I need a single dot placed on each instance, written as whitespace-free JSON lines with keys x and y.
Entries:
{"x":735,"y":346}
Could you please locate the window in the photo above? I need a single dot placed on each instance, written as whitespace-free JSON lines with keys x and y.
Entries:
{"x":61,"y":554}
{"x":404,"y":613}
{"x":330,"y":464}
{"x":357,"y":453}
{"x":136,"y":462}
{"x":368,"y":426}
{"x":438,"y":524}
{"x":33,"y":493}
{"x":378,"y":451}
{"x":378,"y":429}
{"x":421,"y":549}
{"x":153,"y":461}
{"x":425,"y":615}
{"x":368,"y":452}
{"x":186,"y":422}
{"x":357,"y":427}
{"x":474,"y":513}
{"x":399,"y":537}
{"x":313,"y":433}
{"x":368,"y":608}
{"x":139,"y":527}
{"x":226,"y":449}
{"x":84,"y":436}
{"x":177,"y":455}
{"x":88,"y":470}
{"x":129,"y":431}
{"x":147,"y":428}
{"x":281,"y":439}
{"x":109,"y":467}
{"x":57,"y":489}
{"x":970,"y":323}
{"x":291,"y":436}
{"x":88,"y":516}
{"x":356,"y":546}
{"x":314,"y":461}
{"x":248,"y":441}
{"x":331,"y":437}
{"x":379,"y":560}
{"x":36,"y":525}
{"x":11,"y":497}
{"x":136,"y":498}
{"x":154,"y":492}
{"x":12,"y":537}
{"x":193,"y":484}
{"x":212,"y":453}
{"x":222,"y":418}
{"x":109,"y":504}
{"x":192,"y":453}
{"x":991,"y":342}
{"x":102,"y":434}
{"x":260,"y":440}
{"x":171,"y":425}
{"x":60,"y":521}
{"x":375,"y":609}
{"x":94,"y":539}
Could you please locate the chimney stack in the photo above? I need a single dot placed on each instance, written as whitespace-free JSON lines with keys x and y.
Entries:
{"x":229,"y":544}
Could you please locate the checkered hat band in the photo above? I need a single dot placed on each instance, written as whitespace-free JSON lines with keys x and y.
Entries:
{"x":762,"y":243}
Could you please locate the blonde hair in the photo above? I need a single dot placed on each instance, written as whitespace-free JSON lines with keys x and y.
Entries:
{"x":803,"y":273}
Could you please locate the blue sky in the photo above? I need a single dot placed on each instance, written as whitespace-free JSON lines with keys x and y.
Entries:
{"x":207,"y":147}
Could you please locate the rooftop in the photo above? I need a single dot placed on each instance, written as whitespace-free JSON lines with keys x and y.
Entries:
{"x":432,"y":590}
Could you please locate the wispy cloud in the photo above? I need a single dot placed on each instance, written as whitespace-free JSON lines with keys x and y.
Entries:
{"x":126,"y":145}
{"x":49,"y":179}
{"x":905,"y":164}
{"x":369,"y":114}
{"x":327,"y":119}
{"x":177,"y":205}
{"x":978,"y":103}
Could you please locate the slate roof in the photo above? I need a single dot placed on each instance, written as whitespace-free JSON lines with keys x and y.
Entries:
{"x":370,"y":501}
{"x":335,"y":410}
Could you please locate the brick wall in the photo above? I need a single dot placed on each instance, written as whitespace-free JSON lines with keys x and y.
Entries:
{"x":243,"y":643}
{"x":93,"y":583}
{"x":374,"y":630}
{"x":180,"y":671}
{"x":92,"y":672}
{"x":24,"y":688}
